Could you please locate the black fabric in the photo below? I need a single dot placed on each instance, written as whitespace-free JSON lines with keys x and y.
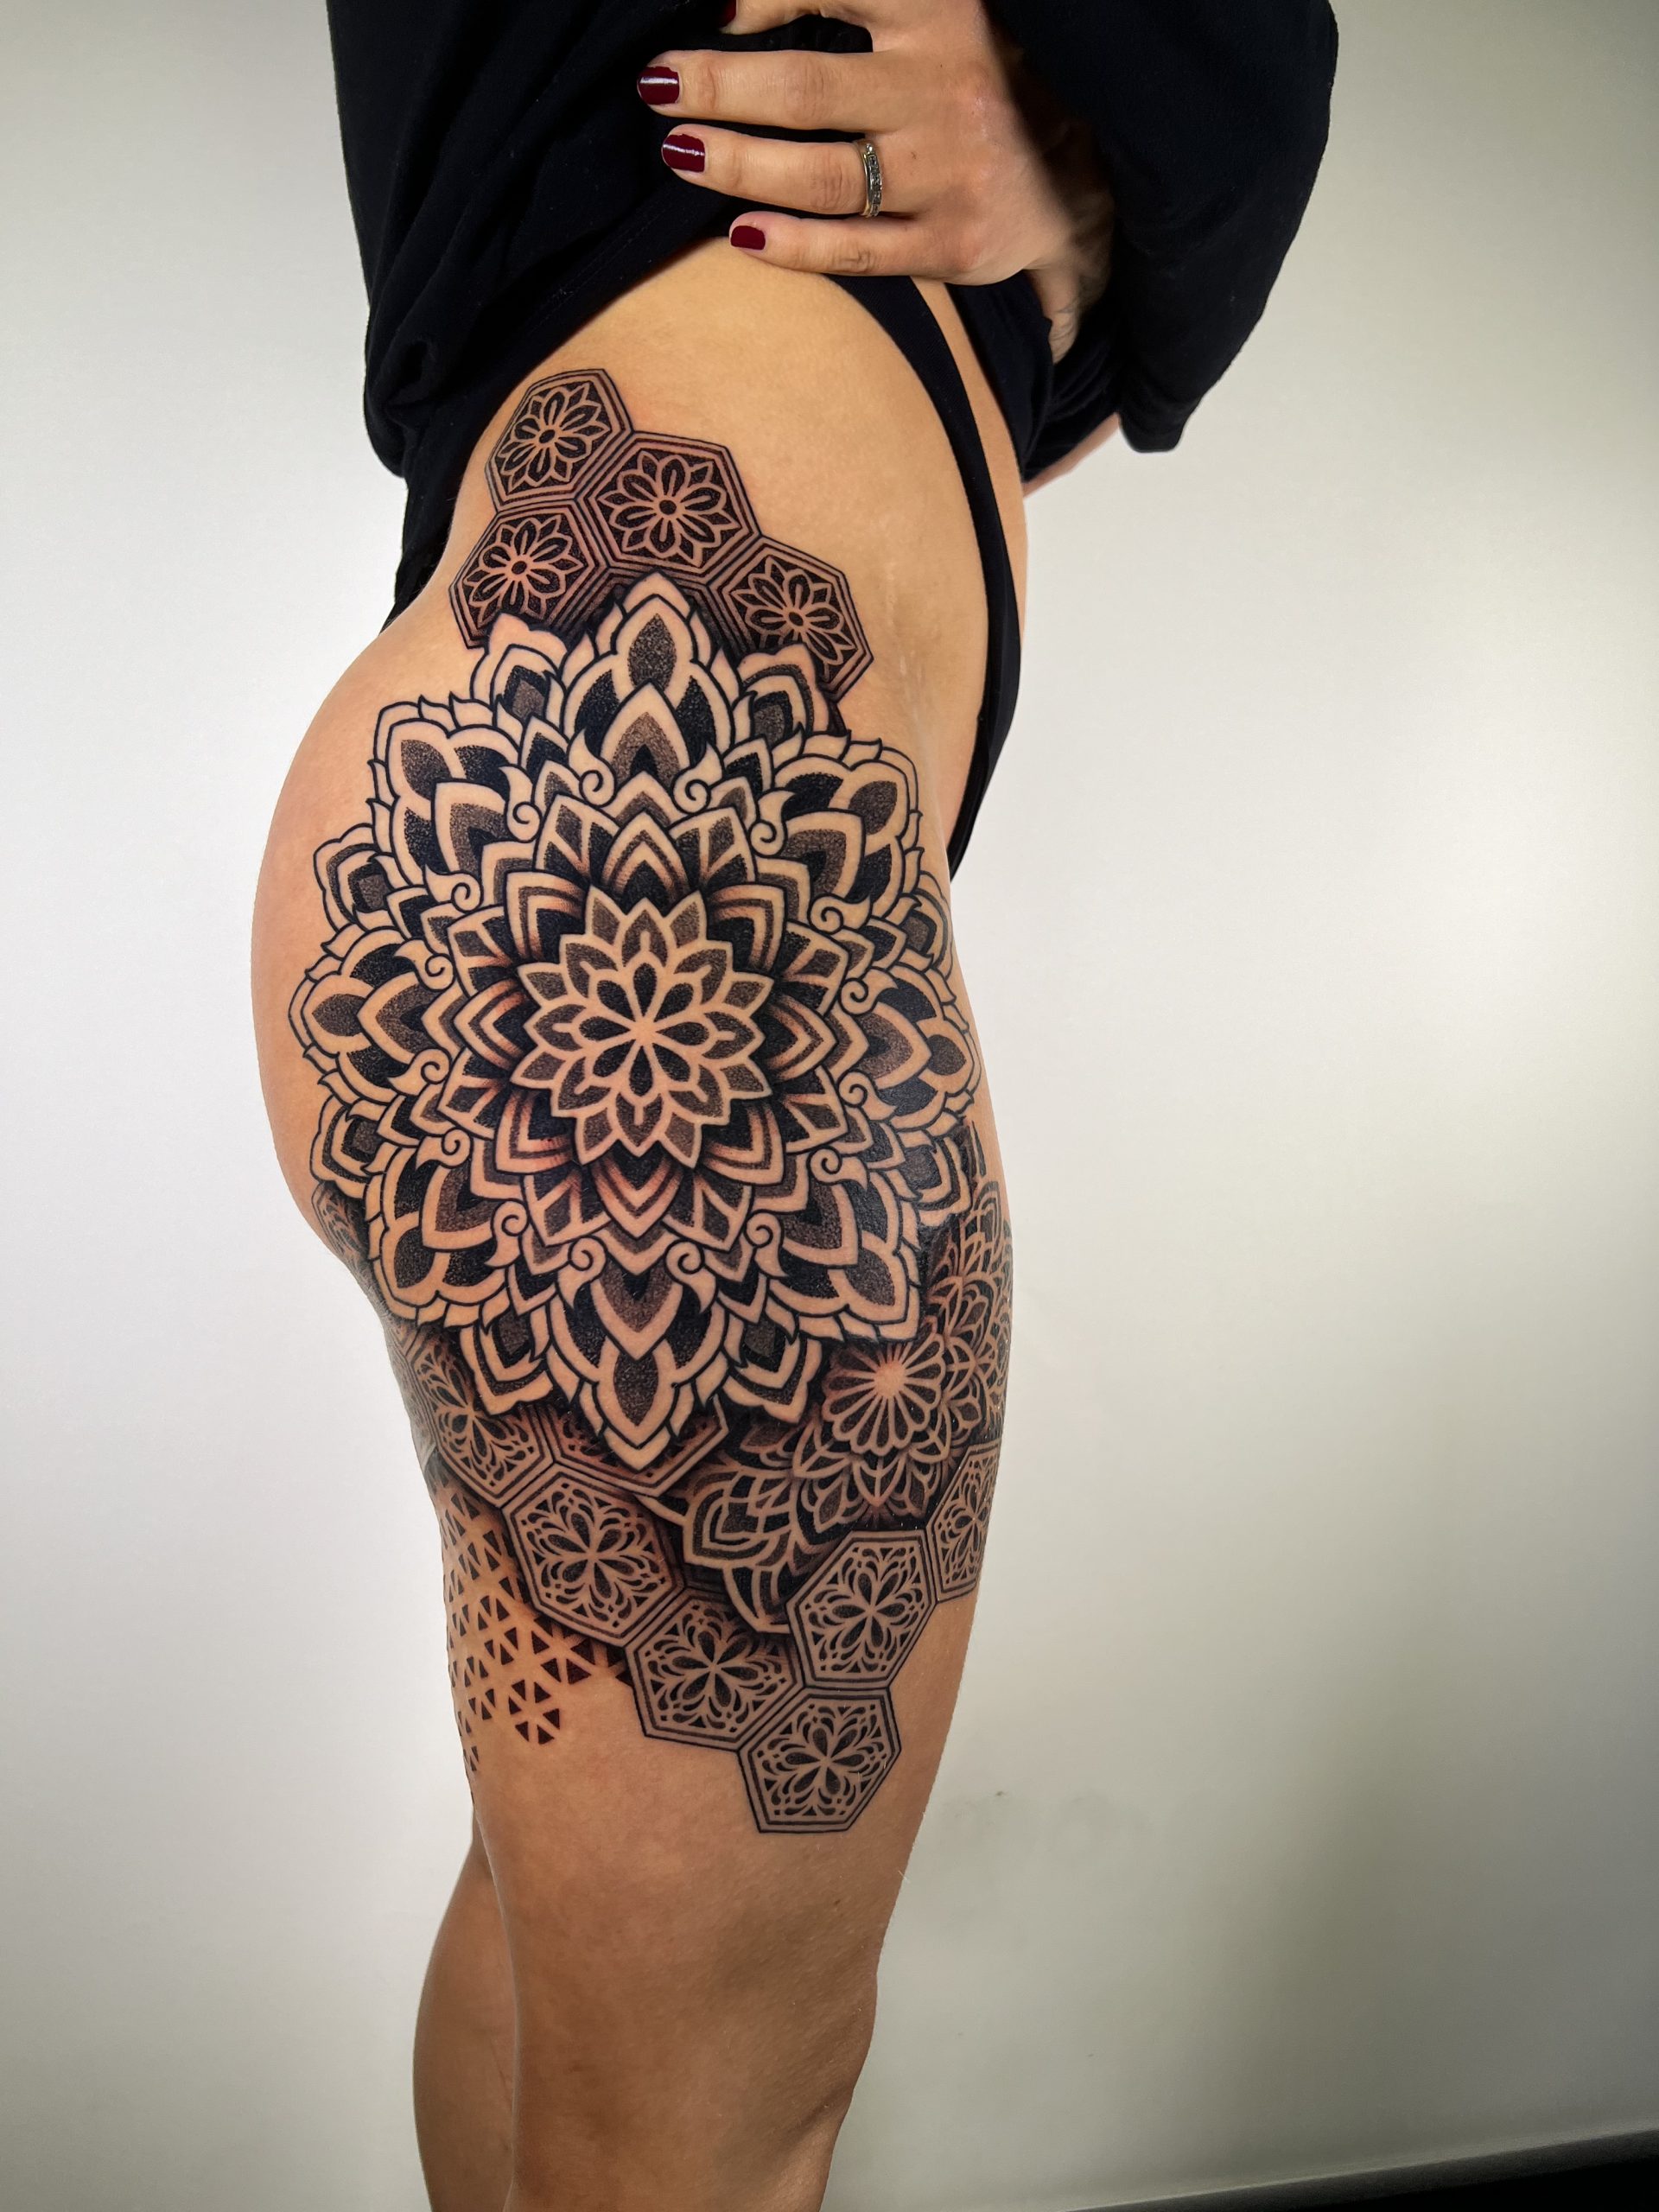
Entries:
{"x":908,"y":321}
{"x":505,"y":184}
{"x":1210,"y":118}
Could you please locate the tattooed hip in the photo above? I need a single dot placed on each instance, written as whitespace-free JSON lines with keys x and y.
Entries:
{"x":642,"y":1099}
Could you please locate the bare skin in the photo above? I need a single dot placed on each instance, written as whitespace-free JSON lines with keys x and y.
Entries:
{"x":464,"y":2043}
{"x":680,"y":1999}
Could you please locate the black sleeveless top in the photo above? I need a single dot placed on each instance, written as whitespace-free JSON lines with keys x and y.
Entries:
{"x":505,"y":184}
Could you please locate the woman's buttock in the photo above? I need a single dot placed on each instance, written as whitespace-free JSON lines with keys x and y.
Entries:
{"x":613,"y":1035}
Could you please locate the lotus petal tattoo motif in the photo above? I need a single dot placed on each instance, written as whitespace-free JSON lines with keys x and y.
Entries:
{"x":642,"y":1030}
{"x":633,"y":1021}
{"x":646,"y":1125}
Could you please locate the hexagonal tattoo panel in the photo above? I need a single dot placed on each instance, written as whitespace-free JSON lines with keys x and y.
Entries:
{"x":559,"y":431}
{"x":780,"y":596}
{"x":586,"y":503}
{"x":648,"y":1124}
{"x":956,"y":1535}
{"x":500,"y":1452}
{"x":702,"y":1676}
{"x":813,"y":1769}
{"x":673,"y":504}
{"x":506,"y":1662}
{"x":857,"y":1618}
{"x":533,"y":565}
{"x":594,"y":1561}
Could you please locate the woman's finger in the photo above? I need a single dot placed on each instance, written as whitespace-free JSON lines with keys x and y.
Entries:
{"x":742,"y":18}
{"x":892,"y":245}
{"x":823,"y":178}
{"x":791,"y":92}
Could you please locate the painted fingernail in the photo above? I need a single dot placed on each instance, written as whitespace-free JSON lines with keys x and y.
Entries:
{"x":659,"y":87}
{"x":728,"y":11}
{"x":746,"y":236}
{"x":681,"y":151}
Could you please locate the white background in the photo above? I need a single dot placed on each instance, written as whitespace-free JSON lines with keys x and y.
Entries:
{"x":1301,"y":1810}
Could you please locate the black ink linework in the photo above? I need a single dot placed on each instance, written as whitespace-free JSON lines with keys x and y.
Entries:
{"x":647,"y":1128}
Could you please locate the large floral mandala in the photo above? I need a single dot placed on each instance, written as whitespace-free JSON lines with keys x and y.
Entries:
{"x":635,"y":1023}
{"x":642,"y":1030}
{"x":647,"y":1127}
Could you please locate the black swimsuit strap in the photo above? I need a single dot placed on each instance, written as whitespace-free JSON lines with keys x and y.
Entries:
{"x":900,"y":308}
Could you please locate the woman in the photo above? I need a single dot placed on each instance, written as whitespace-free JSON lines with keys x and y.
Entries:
{"x":611,"y":1026}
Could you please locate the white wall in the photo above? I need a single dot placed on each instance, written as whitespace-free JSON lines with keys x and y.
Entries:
{"x":1301,"y":1809}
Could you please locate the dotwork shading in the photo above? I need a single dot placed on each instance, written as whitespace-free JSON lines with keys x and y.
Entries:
{"x":647,"y":1128}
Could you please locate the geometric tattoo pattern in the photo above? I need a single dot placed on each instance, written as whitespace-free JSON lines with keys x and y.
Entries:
{"x":506,"y":1662}
{"x":646,"y":1128}
{"x":587,"y":504}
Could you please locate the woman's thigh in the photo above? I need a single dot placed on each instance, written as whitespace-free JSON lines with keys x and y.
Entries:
{"x":612,"y":1033}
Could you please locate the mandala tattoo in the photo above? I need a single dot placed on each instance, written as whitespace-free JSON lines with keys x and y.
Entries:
{"x":647,"y":1128}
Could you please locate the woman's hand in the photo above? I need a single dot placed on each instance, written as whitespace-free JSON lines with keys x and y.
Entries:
{"x":983,"y":175}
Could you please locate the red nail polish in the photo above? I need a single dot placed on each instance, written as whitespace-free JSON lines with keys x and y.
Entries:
{"x":681,"y":151}
{"x":728,"y":11}
{"x":746,"y":236}
{"x":659,"y":87}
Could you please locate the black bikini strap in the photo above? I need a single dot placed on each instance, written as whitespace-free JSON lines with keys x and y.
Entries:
{"x":900,"y":308}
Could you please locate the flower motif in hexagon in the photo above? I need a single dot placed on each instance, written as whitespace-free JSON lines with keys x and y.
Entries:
{"x":701,"y":1676}
{"x":669,"y":503}
{"x":556,"y":432}
{"x":815,"y":1765}
{"x":857,"y":1619}
{"x":596,"y":1563}
{"x":956,"y":1535}
{"x":494,"y":1453}
{"x":529,"y":564}
{"x":779,"y":595}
